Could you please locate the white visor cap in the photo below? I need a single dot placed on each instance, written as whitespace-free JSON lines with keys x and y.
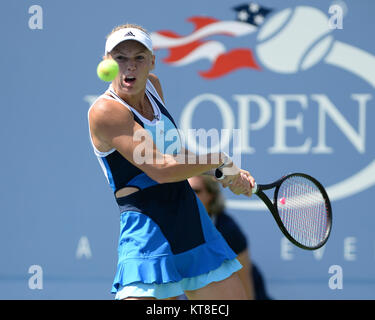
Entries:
{"x":128,"y":34}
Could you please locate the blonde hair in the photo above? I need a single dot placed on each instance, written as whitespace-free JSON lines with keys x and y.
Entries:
{"x":217,"y":204}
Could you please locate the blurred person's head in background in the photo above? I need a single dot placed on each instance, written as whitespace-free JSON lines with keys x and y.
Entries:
{"x":209,"y":192}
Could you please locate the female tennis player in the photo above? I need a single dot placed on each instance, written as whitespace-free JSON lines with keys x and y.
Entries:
{"x":167,"y":245}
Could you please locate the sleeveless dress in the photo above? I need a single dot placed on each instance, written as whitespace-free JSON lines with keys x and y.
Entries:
{"x":167,"y":243}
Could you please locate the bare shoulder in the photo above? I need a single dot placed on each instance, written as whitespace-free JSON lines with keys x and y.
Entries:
{"x":156,"y":82}
{"x":109,"y":118}
{"x":106,"y":111}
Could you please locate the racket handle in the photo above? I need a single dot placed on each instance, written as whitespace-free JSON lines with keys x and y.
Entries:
{"x":255,"y":189}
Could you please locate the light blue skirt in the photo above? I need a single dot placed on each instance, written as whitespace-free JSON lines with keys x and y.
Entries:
{"x":168,"y":244}
{"x":174,"y":289}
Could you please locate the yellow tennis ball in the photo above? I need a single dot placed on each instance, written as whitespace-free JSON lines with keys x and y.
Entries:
{"x":107,"y":70}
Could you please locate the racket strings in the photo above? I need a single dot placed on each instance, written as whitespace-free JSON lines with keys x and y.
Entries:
{"x":303,"y":211}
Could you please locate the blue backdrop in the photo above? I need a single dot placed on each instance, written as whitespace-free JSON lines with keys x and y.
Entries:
{"x":295,"y":77}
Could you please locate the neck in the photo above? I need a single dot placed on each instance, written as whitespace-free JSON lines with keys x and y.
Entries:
{"x":137,"y":101}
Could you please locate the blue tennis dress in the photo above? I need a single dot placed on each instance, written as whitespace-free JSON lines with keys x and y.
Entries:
{"x":167,"y":243}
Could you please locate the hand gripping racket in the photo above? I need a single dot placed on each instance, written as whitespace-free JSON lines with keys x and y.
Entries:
{"x":301,"y":208}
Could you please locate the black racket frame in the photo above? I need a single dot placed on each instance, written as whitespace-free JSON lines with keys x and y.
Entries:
{"x":273,"y":207}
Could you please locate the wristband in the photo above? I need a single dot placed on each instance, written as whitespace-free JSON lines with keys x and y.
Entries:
{"x":219,"y":175}
{"x":227,"y":160}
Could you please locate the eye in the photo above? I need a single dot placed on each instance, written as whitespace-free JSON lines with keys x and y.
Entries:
{"x":140,"y":57}
{"x":120,"y":58}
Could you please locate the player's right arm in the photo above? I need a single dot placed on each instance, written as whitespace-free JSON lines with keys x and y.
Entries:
{"x":114,"y":126}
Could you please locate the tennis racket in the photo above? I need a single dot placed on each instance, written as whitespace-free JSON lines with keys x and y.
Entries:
{"x":301,"y":208}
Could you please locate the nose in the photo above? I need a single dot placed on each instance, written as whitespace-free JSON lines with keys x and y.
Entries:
{"x":131,"y":65}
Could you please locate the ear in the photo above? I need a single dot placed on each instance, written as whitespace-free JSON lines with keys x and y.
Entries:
{"x":153,"y":62}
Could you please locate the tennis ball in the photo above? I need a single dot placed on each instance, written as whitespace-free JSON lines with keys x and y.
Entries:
{"x":107,"y":70}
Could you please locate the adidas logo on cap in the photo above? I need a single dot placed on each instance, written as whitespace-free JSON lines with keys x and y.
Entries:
{"x":130,"y":34}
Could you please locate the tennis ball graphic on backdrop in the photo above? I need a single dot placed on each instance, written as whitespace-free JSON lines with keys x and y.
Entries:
{"x":107,"y":70}
{"x":294,"y":40}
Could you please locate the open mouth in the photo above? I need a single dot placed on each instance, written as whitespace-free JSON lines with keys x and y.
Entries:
{"x":129,"y":79}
